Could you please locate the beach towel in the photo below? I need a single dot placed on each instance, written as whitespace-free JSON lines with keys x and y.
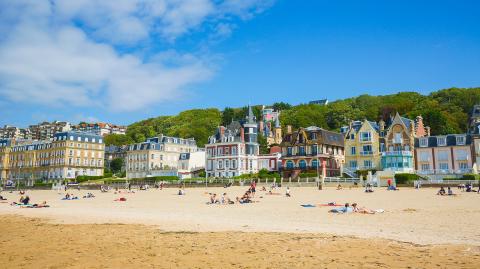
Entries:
{"x":379,"y":210}
{"x":308,"y":205}
{"x":122,"y":199}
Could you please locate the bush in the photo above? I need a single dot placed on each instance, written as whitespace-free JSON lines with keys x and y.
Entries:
{"x":41,"y":184}
{"x":305,"y":175}
{"x":470,"y":177}
{"x":405,"y":178}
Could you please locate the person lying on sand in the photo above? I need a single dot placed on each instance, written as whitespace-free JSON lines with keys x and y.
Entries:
{"x":2,"y":198}
{"x":181,"y":192}
{"x":41,"y":205}
{"x":346,"y":209}
{"x":362,"y":210}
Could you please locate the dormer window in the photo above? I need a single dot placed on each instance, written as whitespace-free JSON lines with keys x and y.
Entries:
{"x":460,"y":140}
{"x":424,"y":142}
{"x":441,"y":141}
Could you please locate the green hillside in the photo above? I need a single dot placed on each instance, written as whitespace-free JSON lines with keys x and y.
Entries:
{"x":445,"y":111}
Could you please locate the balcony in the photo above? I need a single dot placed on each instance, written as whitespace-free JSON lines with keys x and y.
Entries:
{"x":397,"y":153}
{"x":366,"y":153}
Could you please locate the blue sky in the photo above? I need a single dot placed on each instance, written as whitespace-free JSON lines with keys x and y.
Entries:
{"x":123,"y":62}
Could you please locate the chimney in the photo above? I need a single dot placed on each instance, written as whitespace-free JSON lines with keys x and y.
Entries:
{"x":419,"y":128}
{"x":242,"y":134}
{"x":427,"y":131}
{"x":222,"y":131}
{"x":289,"y":129}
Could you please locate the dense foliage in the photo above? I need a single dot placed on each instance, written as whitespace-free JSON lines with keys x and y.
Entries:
{"x":445,"y":111}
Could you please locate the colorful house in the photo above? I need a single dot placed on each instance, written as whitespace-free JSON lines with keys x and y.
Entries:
{"x":313,"y":150}
{"x":362,"y":146}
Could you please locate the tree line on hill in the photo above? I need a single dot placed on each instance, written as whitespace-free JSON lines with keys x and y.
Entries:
{"x":445,"y":111}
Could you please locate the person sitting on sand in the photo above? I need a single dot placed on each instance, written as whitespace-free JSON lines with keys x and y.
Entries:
{"x":339,"y":187}
{"x":2,"y":198}
{"x":264,"y":189}
{"x":450,"y":192}
{"x":346,"y":209}
{"x":392,"y":188}
{"x":441,"y":191}
{"x":287,"y":192}
{"x":468,"y":187}
{"x":26,"y":200}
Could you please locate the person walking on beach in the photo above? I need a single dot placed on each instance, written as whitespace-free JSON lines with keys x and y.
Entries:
{"x":252,"y":187}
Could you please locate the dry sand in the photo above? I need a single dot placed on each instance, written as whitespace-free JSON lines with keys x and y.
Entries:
{"x":276,"y":232}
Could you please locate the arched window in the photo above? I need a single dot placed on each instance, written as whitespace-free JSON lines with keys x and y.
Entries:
{"x":315,"y":163}
{"x":290,"y":164}
{"x":302,"y":164}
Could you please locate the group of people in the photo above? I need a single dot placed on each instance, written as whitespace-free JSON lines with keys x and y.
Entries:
{"x":467,"y":188}
{"x":69,"y":196}
{"x":354,"y":208}
{"x":223,"y":200}
{"x":89,"y":195}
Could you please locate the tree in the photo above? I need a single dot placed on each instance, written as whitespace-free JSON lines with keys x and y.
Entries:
{"x":116,"y":165}
{"x":228,"y":115}
{"x":117,"y":140}
{"x":279,"y":106}
{"x":262,"y":141}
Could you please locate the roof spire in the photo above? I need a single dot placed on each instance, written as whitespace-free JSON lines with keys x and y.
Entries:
{"x":251,"y":117}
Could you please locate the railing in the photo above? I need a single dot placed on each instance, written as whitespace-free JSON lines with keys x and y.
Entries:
{"x":444,"y":171}
{"x":397,"y":153}
{"x":366,"y":153}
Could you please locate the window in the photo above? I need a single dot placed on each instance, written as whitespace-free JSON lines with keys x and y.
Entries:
{"x":443,"y":155}
{"x":463,"y":165}
{"x":302,"y":164}
{"x":460,"y":140}
{"x":397,"y":138}
{"x":365,"y":136}
{"x":290,"y":164}
{"x":315,"y":163}
{"x":353,"y":151}
{"x":367,"y":149}
{"x":353,"y":164}
{"x":442,"y":141}
{"x":425,"y":167}
{"x":220,"y":164}
{"x":234,"y":164}
{"x":352,"y":136}
{"x":289,"y":151}
{"x":367,"y":164}
{"x":234,"y":150}
{"x":424,"y":142}
{"x":314,"y":150}
{"x":443,"y":166}
{"x":227,"y":164}
{"x":424,"y":156}
{"x":461,"y":155}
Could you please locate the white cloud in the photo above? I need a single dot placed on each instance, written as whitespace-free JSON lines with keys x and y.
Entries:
{"x":63,"y":52}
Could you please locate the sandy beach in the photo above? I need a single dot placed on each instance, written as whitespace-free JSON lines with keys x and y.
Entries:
{"x":418,"y":229}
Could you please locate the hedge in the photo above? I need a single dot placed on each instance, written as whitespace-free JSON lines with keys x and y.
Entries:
{"x":157,"y":178}
{"x":305,"y":175}
{"x":405,"y":178}
{"x":41,"y":184}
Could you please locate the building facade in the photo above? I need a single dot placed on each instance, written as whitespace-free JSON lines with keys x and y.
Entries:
{"x":233,"y":150}
{"x":113,"y":152}
{"x":362,"y":146}
{"x":66,"y":156}
{"x":270,"y":126}
{"x":157,"y":154}
{"x":313,"y":150}
{"x":100,"y":128}
{"x":47,"y":130}
{"x":446,"y":154}
{"x":190,"y":164}
{"x":399,"y":143}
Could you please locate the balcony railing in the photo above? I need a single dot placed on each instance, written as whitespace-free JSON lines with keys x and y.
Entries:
{"x":444,"y":171}
{"x":366,"y":153}
{"x":397,"y":153}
